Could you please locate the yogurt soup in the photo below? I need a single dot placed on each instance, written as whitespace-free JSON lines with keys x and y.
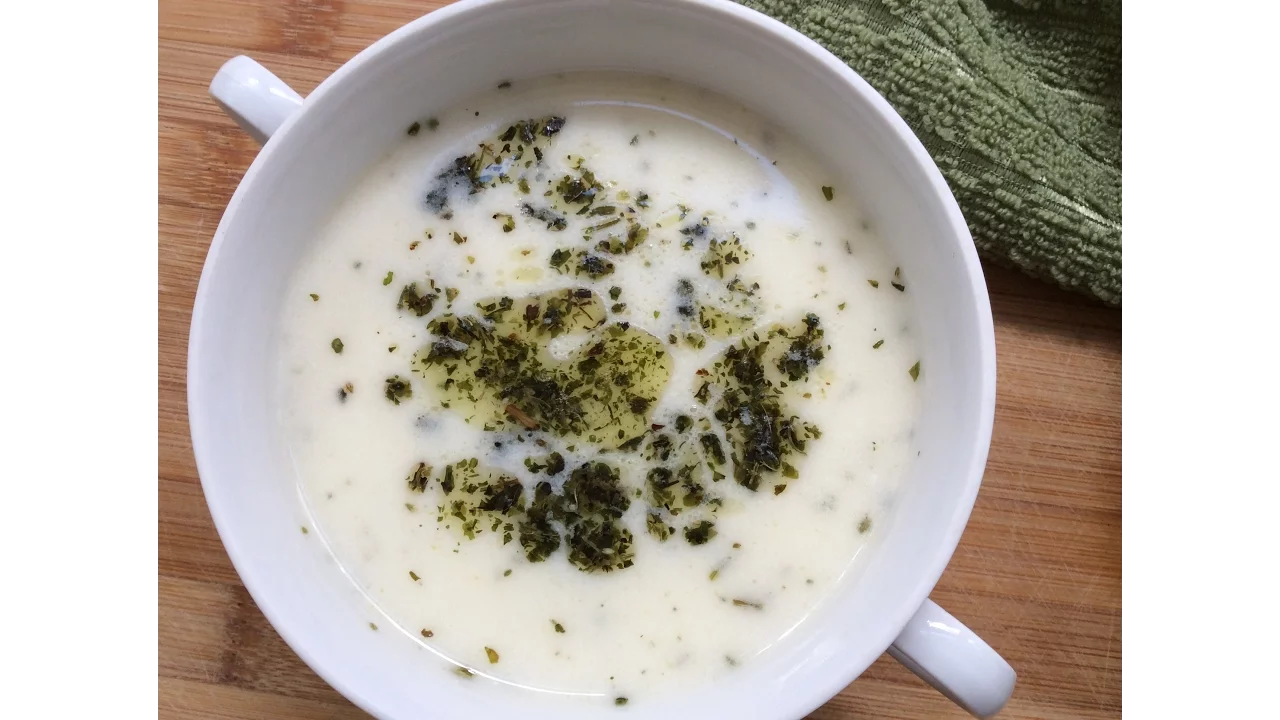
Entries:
{"x":598,"y":383}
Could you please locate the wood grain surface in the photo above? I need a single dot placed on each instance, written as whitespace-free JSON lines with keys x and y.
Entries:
{"x":1037,"y":573}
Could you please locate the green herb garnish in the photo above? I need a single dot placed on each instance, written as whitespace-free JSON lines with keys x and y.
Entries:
{"x":827,"y":192}
{"x":761,"y":431}
{"x":595,"y":538}
{"x":418,"y":303}
{"x":336,"y":345}
{"x":595,"y":267}
{"x":554,"y":220}
{"x":419,"y":477}
{"x":492,"y":655}
{"x":804,"y":353}
{"x":700,"y":533}
{"x":397,"y":389}
{"x":578,"y":190}
{"x":914,"y":372}
{"x":657,"y":528}
{"x":555,"y":463}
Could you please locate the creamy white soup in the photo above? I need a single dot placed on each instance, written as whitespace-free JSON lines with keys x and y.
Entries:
{"x":598,"y":383}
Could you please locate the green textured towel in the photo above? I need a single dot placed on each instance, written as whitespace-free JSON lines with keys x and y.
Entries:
{"x":1018,"y":101}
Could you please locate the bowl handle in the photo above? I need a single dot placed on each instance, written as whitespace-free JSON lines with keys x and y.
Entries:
{"x":253,"y":96}
{"x":955,"y":661}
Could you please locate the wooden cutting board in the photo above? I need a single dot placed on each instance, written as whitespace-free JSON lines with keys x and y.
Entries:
{"x":1037,"y":573}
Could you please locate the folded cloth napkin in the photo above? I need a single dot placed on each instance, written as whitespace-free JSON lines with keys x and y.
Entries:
{"x":1018,"y":102}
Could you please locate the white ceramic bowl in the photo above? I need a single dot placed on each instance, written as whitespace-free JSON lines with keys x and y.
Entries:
{"x":315,"y":150}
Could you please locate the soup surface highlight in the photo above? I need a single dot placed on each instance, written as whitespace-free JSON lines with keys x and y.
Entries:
{"x":598,"y":383}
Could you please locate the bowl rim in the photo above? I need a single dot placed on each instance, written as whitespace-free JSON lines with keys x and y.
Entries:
{"x":927,"y":574}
